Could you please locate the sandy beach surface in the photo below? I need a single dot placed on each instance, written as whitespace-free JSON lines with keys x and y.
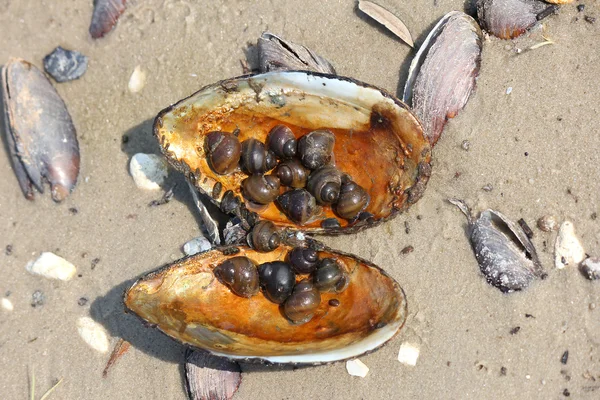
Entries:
{"x":533,"y":128}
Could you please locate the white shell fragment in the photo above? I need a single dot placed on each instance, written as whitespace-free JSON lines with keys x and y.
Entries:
{"x":148,"y":170}
{"x":408,"y":354}
{"x":591,"y":268}
{"x":7,"y":304}
{"x":387,"y":19}
{"x":547,"y":223}
{"x":93,"y":334}
{"x":137,"y":81}
{"x":51,"y":266}
{"x":357,"y":368}
{"x":197,"y":245}
{"x":568,"y":249}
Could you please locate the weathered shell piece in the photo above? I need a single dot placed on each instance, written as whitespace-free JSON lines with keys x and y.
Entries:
{"x":209,"y":377}
{"x":444,"y":72}
{"x":379,"y":142}
{"x":508,"y":19}
{"x":40,"y":134}
{"x":505,"y":254}
{"x":185,"y":301}
{"x":105,"y":16}
{"x":567,"y":248}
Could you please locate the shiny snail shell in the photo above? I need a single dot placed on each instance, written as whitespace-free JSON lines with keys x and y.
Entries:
{"x":379,"y":143}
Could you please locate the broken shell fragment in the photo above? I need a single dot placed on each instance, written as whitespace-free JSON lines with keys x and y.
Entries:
{"x":186,"y":302}
{"x":505,"y":254}
{"x":93,"y":334}
{"x":209,"y":377}
{"x":105,"y":16}
{"x":567,"y":249}
{"x":547,"y":223}
{"x":51,"y":266}
{"x":443,"y":73}
{"x":387,"y":19}
{"x":508,"y":19}
{"x":408,"y":354}
{"x":590,"y":267}
{"x":357,"y":368}
{"x":40,"y":134}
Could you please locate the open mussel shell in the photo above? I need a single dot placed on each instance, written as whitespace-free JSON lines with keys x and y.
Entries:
{"x":444,"y":71}
{"x":40,"y":134}
{"x":508,"y":19}
{"x":186,"y":301}
{"x":378,"y":141}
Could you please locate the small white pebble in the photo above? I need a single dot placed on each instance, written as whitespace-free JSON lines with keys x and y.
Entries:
{"x":93,"y":334}
{"x":408,"y":354}
{"x":509,"y":90}
{"x":197,"y":245}
{"x":51,"y":266}
{"x":357,"y":368}
{"x":7,"y":304}
{"x":531,"y":181}
{"x":527,"y":376}
{"x":148,"y":170}
{"x":137,"y":81}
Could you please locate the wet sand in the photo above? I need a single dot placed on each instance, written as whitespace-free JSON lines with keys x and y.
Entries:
{"x":538,"y":147}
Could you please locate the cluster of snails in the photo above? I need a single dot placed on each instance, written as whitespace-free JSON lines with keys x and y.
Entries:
{"x":304,"y":166}
{"x":277,"y":280}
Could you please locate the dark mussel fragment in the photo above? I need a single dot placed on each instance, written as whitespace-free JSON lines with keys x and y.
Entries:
{"x":224,"y":151}
{"x":304,"y":260}
{"x":65,"y":65}
{"x":353,"y":199}
{"x":240,"y":275}
{"x":40,"y":134}
{"x":298,"y":205}
{"x":292,"y":173}
{"x":438,"y":93}
{"x":105,"y":16}
{"x":255,"y":158}
{"x":276,"y":280}
{"x":325,"y":184}
{"x":282,"y":142}
{"x":505,"y":254}
{"x":264,"y":237}
{"x":508,"y":19}
{"x":261,"y":189}
{"x":301,"y":305}
{"x":329,"y":276}
{"x":316,"y":148}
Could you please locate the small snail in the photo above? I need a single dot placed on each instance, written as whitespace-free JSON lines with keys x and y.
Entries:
{"x":315,"y":148}
{"x":329,"y":276}
{"x":223,"y":151}
{"x":276,"y":280}
{"x":230,"y":202}
{"x":353,"y":199}
{"x":292,"y":173}
{"x":282,"y":142}
{"x":240,"y":275}
{"x":298,"y":205}
{"x":255,"y":158}
{"x":261,"y":189}
{"x":325,"y":184}
{"x":300,"y":307}
{"x":264,"y":237}
{"x":303,"y":260}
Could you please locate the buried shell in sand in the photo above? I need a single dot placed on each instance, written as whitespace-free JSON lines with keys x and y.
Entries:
{"x":505,"y":254}
{"x":508,"y":19}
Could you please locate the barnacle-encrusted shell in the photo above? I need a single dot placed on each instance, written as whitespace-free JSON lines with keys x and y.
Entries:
{"x":187,"y":302}
{"x":378,"y":141}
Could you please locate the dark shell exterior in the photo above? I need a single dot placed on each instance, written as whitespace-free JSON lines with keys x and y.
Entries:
{"x":186,"y":301}
{"x":105,"y":16}
{"x":508,"y":19}
{"x":378,"y":141}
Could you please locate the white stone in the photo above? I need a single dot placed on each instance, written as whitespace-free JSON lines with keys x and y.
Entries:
{"x":49,"y":265}
{"x":357,"y":368}
{"x":137,"y":81}
{"x":568,"y":249}
{"x":7,"y":304}
{"x":197,"y":245}
{"x":408,"y":354}
{"x":93,"y":334}
{"x":148,"y":170}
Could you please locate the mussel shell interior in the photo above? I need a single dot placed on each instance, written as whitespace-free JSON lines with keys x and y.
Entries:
{"x":187,"y":302}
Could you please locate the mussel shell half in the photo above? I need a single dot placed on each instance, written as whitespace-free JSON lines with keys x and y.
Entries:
{"x":186,"y":301}
{"x":508,"y":19}
{"x":378,"y":141}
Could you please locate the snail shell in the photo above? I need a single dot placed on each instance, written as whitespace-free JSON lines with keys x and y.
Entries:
{"x":224,"y":151}
{"x":264,"y":237}
{"x":353,"y":199}
{"x":261,"y":189}
{"x":303,"y":260}
{"x":329,"y":276}
{"x":298,"y":205}
{"x":315,"y":148}
{"x":276,"y":280}
{"x":255,"y":158}
{"x":292,"y":173}
{"x":325,"y":184}
{"x":240,"y":275}
{"x":282,"y":142}
{"x":302,"y":303}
